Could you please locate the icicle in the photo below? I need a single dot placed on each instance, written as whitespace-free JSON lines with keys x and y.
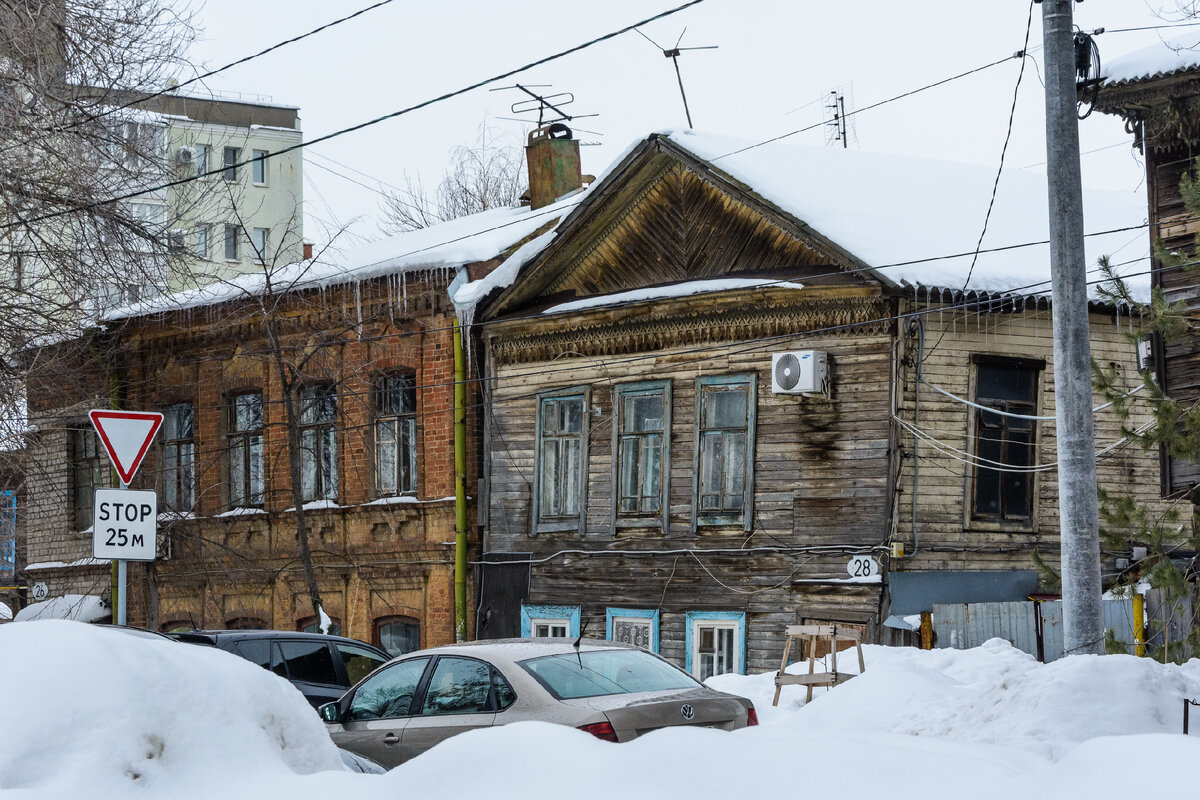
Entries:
{"x":358,"y":307}
{"x":404,"y":289}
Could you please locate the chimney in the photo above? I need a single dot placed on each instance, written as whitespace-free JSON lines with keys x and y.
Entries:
{"x":553,"y":156}
{"x":308,"y":247}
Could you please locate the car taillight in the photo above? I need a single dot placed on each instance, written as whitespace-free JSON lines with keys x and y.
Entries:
{"x":601,"y":730}
{"x":751,"y":716}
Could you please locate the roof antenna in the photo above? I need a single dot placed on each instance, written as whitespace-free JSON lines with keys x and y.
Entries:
{"x":673,"y":54}
{"x":578,"y":655}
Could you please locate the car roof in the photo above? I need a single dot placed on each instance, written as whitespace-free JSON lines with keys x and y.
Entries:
{"x":522,"y":649}
{"x":214,"y":637}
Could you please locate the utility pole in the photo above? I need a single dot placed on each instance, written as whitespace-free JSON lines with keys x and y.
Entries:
{"x":1079,"y":520}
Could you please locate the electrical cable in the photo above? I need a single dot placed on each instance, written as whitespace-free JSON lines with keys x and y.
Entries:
{"x":360,"y":126}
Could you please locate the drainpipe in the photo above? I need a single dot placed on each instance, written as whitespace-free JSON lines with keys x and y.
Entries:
{"x":1139,"y":624}
{"x":460,"y":492}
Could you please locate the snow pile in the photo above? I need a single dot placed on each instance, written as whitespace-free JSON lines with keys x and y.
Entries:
{"x":81,"y":607}
{"x":1159,"y":59}
{"x":95,"y":712}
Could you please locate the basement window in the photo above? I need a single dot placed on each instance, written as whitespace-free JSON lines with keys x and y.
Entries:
{"x":715,"y":643}
{"x":555,"y":622}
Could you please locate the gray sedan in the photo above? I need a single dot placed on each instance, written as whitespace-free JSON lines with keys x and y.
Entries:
{"x":612,"y":691}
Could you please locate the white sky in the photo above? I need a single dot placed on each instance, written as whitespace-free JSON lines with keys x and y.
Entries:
{"x":777,"y":61}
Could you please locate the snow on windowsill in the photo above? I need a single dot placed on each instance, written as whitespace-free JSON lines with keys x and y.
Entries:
{"x":315,"y":505}
{"x":675,"y":290}
{"x":240,"y":511}
{"x":405,"y":499}
{"x":81,"y":562}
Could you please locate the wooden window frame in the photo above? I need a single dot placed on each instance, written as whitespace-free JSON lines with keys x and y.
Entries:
{"x":532,"y":615}
{"x":612,"y":616}
{"x":640,"y":519}
{"x":90,"y":462}
{"x":177,"y":476}
{"x":562,"y":523}
{"x":973,"y":517}
{"x":325,"y":487}
{"x":745,"y":517}
{"x":728,"y":620}
{"x":406,"y":435}
{"x":239,"y":444}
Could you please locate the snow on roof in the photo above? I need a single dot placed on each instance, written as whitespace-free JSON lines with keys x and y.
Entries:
{"x":673,"y":290}
{"x":448,"y":245}
{"x":916,"y":221}
{"x":79,"y":607}
{"x":1158,"y":60}
{"x":904,"y":216}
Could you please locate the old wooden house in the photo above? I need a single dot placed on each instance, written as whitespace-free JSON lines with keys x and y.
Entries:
{"x":745,"y":385}
{"x":1157,"y":92}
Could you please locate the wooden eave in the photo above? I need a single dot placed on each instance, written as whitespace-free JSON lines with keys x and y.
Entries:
{"x":610,"y":207}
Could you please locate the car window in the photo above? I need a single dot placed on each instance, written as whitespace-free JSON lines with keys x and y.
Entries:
{"x":308,"y":662}
{"x":388,"y":693}
{"x":360,"y":662}
{"x":600,"y":672}
{"x":458,"y":686}
{"x":505,"y":696}
{"x":256,"y":650}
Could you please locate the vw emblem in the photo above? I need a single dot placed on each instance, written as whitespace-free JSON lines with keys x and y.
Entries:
{"x":687,"y":711}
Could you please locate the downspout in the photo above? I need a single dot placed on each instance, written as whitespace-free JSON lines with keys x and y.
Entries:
{"x":460,"y":484}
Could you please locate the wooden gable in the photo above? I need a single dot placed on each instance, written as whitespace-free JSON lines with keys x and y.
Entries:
{"x":664,"y":217}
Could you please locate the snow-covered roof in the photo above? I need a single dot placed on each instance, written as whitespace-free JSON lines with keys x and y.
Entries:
{"x":673,"y":290}
{"x":1158,"y":60}
{"x":78,"y":607}
{"x":448,"y":245}
{"x":915,"y":221}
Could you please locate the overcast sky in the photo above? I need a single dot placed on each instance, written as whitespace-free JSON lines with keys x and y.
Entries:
{"x":777,"y":62}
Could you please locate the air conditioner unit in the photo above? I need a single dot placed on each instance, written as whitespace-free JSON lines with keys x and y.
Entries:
{"x":803,"y":372}
{"x":186,"y":155}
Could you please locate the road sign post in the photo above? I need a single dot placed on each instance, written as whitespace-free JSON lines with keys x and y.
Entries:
{"x":124,"y":522}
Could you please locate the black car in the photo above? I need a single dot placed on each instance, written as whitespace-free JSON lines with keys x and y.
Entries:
{"x":322,"y":667}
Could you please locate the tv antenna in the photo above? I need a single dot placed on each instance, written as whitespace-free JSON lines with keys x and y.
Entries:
{"x":548,"y":107}
{"x":837,"y":125}
{"x":673,"y":54}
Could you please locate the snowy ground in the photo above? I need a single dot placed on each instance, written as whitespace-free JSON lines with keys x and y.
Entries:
{"x":94,"y":713}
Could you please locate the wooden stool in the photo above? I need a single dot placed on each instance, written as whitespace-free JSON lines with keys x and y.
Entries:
{"x":815,"y":634}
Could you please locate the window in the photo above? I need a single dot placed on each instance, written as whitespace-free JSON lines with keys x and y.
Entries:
{"x":359,"y":661}
{"x":246,"y":624}
{"x":725,"y":450}
{"x":231,"y":159}
{"x":200,"y":159}
{"x":715,"y":643}
{"x":1009,"y":386}
{"x":258,"y":167}
{"x":398,"y":635}
{"x":201,"y":241}
{"x":181,"y":624}
{"x":458,"y":686}
{"x":557,"y":622}
{"x":638,"y":627}
{"x":8,"y":534}
{"x":559,"y":483}
{"x":179,"y":458}
{"x":246,"y":451}
{"x":90,"y":471}
{"x":395,"y":435}
{"x":388,"y":693}
{"x":177,"y":240}
{"x":318,"y":442}
{"x":304,"y":661}
{"x":258,"y":238}
{"x":596,"y":673}
{"x":231,"y":242}
{"x":256,"y":651}
{"x":313,"y":625}
{"x":643,"y":412}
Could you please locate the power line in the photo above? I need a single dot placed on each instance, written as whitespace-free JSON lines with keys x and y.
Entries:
{"x":351,"y":129}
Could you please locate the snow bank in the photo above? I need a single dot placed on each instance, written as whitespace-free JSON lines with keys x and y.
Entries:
{"x":1159,"y":59}
{"x":94,"y":712}
{"x":81,"y":607}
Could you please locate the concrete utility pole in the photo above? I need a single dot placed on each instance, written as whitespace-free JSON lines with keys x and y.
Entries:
{"x":1079,"y":520}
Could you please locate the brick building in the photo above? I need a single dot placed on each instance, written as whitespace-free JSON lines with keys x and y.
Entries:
{"x":362,"y":343}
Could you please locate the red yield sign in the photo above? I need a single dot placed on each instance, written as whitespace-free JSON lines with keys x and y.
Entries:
{"x":126,"y":436}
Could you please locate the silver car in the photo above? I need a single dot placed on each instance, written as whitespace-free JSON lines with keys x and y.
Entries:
{"x":613,"y":691}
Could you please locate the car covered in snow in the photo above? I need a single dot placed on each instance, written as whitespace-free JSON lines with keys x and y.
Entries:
{"x":614,"y":691}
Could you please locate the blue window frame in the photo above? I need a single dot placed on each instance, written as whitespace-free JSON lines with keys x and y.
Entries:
{"x":552,"y":621}
{"x":724,"y":474}
{"x":715,"y":643}
{"x":636,"y":626}
{"x":642,"y":444}
{"x":560,"y":466}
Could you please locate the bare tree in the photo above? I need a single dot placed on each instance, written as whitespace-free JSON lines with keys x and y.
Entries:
{"x":488,"y":174}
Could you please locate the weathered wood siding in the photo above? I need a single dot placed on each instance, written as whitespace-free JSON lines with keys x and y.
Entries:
{"x":821,"y":481}
{"x":949,"y":538}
